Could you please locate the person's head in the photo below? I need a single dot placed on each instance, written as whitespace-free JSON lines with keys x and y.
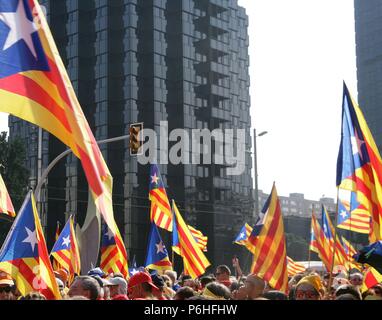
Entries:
{"x":6,"y":287}
{"x":377,"y":289}
{"x":184,"y":293}
{"x":240,"y":294}
{"x":309,"y":288}
{"x":275,"y":295}
{"x":167,"y":280}
{"x":33,"y":296}
{"x":141,"y":286}
{"x":193,"y":283}
{"x":346,"y":296}
{"x":222,"y":273}
{"x":295,"y":279}
{"x":172,"y":274}
{"x":216,"y":291}
{"x":183,"y":279}
{"x":348,"y":289}
{"x":63,"y":275}
{"x":85,"y":286}
{"x":205,"y":280}
{"x":356,"y":279}
{"x":118,"y":286}
{"x":254,"y":286}
{"x":97,"y":272}
{"x":118,"y":275}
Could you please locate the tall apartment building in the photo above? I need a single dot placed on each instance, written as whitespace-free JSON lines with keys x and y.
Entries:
{"x":185,"y":62}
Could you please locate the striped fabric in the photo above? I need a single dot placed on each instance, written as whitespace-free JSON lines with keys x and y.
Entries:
{"x":350,"y":252}
{"x":243,"y":236}
{"x":65,"y":251}
{"x":352,"y":215}
{"x":371,"y":278}
{"x":157,"y":255}
{"x":160,"y":210}
{"x":35,"y":87}
{"x":6,"y":205}
{"x":268,"y":239}
{"x":194,"y":261}
{"x":113,"y":252}
{"x":55,"y":264}
{"x":359,"y":164}
{"x":324,"y":249}
{"x":313,"y":241}
{"x":294,"y":267}
{"x":24,"y":254}
{"x":201,"y":240}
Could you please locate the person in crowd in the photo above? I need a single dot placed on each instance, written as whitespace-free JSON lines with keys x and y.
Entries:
{"x":173,"y":276}
{"x":193,"y":283}
{"x":356,"y":279}
{"x":97,"y":272}
{"x":160,"y":284}
{"x":141,"y":287}
{"x":275,"y":295}
{"x":216,"y":291}
{"x":240,"y":293}
{"x":118,"y":288}
{"x":346,"y":296}
{"x":167,"y":290}
{"x":309,"y":288}
{"x":184,"y":293}
{"x":104,"y":293}
{"x":223,"y":274}
{"x":85,"y":286}
{"x":33,"y":296}
{"x":254,"y":286}
{"x":205,"y":280}
{"x":61,"y":287}
{"x":7,"y":287}
{"x":348,"y":289}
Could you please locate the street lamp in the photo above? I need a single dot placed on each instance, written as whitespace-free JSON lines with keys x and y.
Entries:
{"x":257,"y":207}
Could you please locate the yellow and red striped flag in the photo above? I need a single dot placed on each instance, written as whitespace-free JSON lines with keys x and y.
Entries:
{"x":243,"y":236}
{"x":371,"y":278}
{"x":65,"y":250}
{"x":6,"y":205}
{"x":268,"y":239}
{"x":350,"y":252}
{"x":313,"y":241}
{"x":201,"y":240}
{"x":35,"y":87}
{"x":24,"y":254}
{"x":359,"y":164}
{"x":194,"y":260}
{"x":324,"y":249}
{"x":55,"y":264}
{"x":294,"y":267}
{"x":113,"y":252}
{"x":160,"y":210}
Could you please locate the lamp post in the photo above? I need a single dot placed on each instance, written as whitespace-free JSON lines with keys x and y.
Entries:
{"x":257,"y":204}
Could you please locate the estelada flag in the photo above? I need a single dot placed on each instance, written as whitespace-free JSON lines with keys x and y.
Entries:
{"x":268,"y":240}
{"x":24,"y":254}
{"x":359,"y":163}
{"x":65,"y":251}
{"x":157,"y":255}
{"x":35,"y":87}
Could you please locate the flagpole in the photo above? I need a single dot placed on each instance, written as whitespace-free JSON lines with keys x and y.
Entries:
{"x":310,"y":240}
{"x":335,"y":244}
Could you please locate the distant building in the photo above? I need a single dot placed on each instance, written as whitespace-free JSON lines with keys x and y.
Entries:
{"x":297,"y":205}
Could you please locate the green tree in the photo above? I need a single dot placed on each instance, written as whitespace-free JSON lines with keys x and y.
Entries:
{"x":12,"y":168}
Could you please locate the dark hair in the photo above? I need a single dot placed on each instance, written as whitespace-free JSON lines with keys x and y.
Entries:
{"x":224,"y":269}
{"x":348,"y":289}
{"x":346,"y":296}
{"x":33,"y":296}
{"x":197,"y":297}
{"x":184,"y":278}
{"x":185,"y":293}
{"x":206,"y":280}
{"x":235,"y":285}
{"x":219,"y":290}
{"x":275,"y":295}
{"x":291,"y":295}
{"x":89,"y":283}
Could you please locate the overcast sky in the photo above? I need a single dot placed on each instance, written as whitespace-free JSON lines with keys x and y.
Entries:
{"x":300,"y":52}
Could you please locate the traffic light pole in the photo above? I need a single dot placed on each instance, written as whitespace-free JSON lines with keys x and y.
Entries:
{"x":44,"y":175}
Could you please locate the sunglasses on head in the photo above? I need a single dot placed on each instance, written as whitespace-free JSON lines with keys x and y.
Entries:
{"x":5,"y":289}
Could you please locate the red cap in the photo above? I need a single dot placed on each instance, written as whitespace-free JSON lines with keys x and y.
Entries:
{"x":141,"y":277}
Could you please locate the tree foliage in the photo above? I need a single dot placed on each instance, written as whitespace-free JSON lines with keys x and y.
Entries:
{"x":12,"y":168}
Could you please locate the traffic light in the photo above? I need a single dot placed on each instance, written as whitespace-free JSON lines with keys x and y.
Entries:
{"x":135,"y":141}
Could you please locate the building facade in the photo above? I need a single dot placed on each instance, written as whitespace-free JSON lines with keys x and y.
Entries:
{"x":368,"y":27}
{"x":297,"y":205}
{"x":184,"y":62}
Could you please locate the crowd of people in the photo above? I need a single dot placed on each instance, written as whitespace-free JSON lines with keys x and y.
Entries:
{"x":97,"y":285}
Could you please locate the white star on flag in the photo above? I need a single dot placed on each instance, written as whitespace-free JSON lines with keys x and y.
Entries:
{"x":160,"y":247}
{"x":109,"y":234}
{"x":134,"y":271}
{"x":242,"y":235}
{"x":21,"y":28}
{"x":154,"y":179}
{"x":31,"y":238}
{"x":66,"y":241}
{"x":343,"y":214}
